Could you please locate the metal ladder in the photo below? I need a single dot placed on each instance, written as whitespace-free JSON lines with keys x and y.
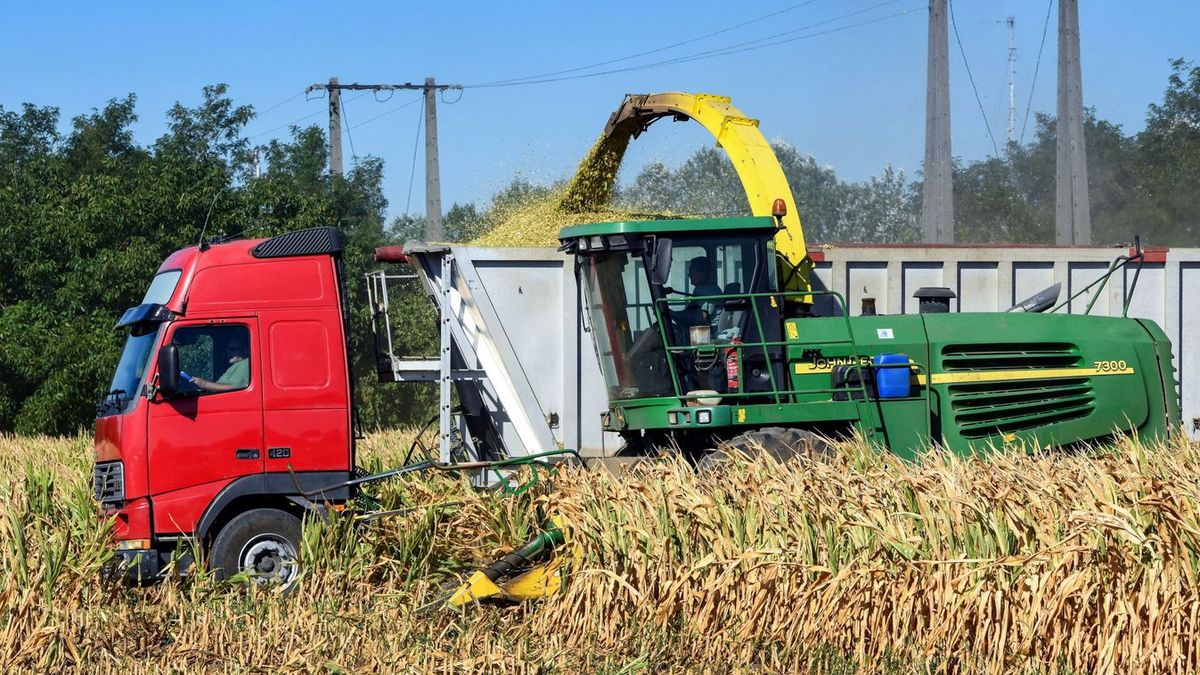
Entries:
{"x":453,"y":433}
{"x":474,"y":355}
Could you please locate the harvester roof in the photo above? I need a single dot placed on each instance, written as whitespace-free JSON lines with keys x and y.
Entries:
{"x":662,"y":226}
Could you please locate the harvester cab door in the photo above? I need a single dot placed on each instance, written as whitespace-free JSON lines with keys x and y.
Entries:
{"x":203,"y":437}
{"x":718,"y":284}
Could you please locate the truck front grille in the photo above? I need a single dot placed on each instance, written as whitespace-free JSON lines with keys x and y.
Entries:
{"x":986,"y":408}
{"x":108,"y":482}
{"x":1010,"y":356}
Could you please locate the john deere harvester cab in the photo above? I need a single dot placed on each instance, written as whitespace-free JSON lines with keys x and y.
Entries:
{"x":687,"y":319}
{"x":667,"y":292}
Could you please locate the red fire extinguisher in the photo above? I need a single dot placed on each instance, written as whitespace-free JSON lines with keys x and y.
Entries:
{"x":732,"y":366}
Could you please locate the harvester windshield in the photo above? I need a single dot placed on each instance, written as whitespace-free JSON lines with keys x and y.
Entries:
{"x":649,"y":292}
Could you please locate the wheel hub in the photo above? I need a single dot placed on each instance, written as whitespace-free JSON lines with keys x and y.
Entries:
{"x":269,"y":557}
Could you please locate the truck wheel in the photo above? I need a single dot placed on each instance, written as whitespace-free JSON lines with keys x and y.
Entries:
{"x":264,"y":543}
{"x":776,"y":442}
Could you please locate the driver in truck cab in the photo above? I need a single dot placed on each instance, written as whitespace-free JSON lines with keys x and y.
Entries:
{"x":236,"y":375}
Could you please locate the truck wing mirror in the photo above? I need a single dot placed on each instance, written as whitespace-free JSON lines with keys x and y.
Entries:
{"x":168,"y":370}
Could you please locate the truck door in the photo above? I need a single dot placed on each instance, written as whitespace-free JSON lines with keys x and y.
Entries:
{"x":213,"y":431}
{"x":306,"y":399}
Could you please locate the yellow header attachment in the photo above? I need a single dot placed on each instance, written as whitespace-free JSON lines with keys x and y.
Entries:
{"x":751,"y":155}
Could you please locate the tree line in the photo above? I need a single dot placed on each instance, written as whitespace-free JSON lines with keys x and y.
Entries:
{"x":87,"y":215}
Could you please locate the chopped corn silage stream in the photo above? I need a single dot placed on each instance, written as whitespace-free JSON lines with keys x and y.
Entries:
{"x":1054,"y":562}
{"x":585,"y":199}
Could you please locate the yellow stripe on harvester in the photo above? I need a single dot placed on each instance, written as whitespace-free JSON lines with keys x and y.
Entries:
{"x":1037,"y":374}
{"x":826,"y":366}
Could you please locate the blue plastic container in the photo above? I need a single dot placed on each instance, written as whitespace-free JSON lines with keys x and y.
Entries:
{"x":892,"y":376}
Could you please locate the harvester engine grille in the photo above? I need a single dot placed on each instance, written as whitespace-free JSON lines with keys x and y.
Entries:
{"x":986,"y":408}
{"x":993,"y":407}
{"x":108,"y":482}
{"x":1010,"y":356}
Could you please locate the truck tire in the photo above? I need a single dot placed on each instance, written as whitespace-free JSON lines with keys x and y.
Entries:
{"x":262,"y":542}
{"x":776,"y":442}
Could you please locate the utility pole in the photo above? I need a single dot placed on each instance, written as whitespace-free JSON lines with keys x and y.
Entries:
{"x":1073,"y":219}
{"x":433,"y":183}
{"x":937,"y":207}
{"x":1012,"y":76}
{"x":335,"y":126}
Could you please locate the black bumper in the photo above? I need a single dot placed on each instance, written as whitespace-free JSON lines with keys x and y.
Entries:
{"x":146,"y":566}
{"x":135,"y":567}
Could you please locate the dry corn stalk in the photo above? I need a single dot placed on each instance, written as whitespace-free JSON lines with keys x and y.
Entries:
{"x":1009,"y":564}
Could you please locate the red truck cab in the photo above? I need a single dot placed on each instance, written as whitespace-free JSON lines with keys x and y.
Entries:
{"x":230,"y":406}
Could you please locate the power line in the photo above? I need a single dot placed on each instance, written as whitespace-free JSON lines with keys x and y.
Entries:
{"x":971,"y":78}
{"x":388,"y":112}
{"x":1038,"y":64}
{"x":289,"y":124}
{"x":349,"y":136}
{"x":412,"y":172}
{"x":285,"y":101}
{"x":650,"y":51}
{"x":710,"y":53}
{"x":300,"y":119}
{"x":727,"y":50}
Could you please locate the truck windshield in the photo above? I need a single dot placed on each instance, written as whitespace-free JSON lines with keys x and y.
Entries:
{"x":162,"y":287}
{"x":131,"y":370}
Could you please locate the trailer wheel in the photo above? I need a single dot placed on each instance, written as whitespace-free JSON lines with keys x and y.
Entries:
{"x":776,"y":442}
{"x":264,"y":543}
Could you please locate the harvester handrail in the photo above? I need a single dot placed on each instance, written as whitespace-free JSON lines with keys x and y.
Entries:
{"x":1119,"y":262}
{"x":764,"y":345}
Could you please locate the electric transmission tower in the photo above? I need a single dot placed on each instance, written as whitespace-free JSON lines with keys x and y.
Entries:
{"x":1012,"y":77}
{"x":937,"y":204}
{"x":1073,"y":218}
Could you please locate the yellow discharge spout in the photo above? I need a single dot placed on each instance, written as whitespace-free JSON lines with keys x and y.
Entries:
{"x":751,"y":155}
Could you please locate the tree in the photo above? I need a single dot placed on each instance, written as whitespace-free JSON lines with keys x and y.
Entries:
{"x":90,"y":217}
{"x":1169,"y":161}
{"x":879,"y":210}
{"x":818,"y":192}
{"x":830,"y":210}
{"x":706,"y":185}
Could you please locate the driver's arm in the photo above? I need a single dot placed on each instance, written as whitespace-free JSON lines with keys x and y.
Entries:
{"x":236,"y":376}
{"x":207,"y":385}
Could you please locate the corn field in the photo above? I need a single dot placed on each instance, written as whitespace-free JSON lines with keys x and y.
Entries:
{"x":860,"y":563}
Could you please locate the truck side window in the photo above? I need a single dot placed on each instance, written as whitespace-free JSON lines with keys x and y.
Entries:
{"x":214,"y":359}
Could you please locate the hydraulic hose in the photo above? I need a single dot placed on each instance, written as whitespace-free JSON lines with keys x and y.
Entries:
{"x":525,"y":556}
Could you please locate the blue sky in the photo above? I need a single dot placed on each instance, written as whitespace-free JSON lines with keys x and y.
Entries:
{"x":854,"y":98}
